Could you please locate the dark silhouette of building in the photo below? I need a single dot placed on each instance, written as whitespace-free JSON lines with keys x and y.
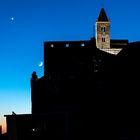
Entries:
{"x":0,"y":129}
{"x":2,"y":136}
{"x":87,"y":92}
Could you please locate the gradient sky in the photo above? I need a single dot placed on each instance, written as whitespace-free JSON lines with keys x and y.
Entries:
{"x":26,"y":24}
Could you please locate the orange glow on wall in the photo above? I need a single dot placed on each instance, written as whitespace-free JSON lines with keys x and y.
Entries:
{"x":3,"y":124}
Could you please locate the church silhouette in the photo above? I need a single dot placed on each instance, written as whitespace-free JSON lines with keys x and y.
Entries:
{"x":89,"y":90}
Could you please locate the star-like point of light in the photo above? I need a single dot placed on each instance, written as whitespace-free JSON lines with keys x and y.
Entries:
{"x":12,"y":18}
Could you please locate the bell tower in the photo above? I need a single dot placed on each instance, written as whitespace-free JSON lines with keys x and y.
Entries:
{"x":102,"y":31}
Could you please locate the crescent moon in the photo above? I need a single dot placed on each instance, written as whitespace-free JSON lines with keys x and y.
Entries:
{"x":40,"y":64}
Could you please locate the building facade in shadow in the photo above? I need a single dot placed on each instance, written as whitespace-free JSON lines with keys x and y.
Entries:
{"x":88,"y":91}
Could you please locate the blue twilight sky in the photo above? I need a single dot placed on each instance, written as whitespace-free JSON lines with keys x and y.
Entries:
{"x":26,"y":24}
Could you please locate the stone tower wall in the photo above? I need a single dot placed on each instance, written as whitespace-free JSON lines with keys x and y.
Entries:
{"x":103,"y":36}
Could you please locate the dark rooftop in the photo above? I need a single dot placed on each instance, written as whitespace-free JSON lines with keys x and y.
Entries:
{"x":102,"y":15}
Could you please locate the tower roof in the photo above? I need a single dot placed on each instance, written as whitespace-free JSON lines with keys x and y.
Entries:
{"x":102,"y":15}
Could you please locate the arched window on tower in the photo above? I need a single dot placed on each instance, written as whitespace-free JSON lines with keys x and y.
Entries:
{"x":103,"y":39}
{"x":103,"y":29}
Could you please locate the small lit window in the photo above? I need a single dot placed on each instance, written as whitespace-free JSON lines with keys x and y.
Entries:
{"x":34,"y":130}
{"x":67,"y":45}
{"x":83,"y":44}
{"x":52,"y":45}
